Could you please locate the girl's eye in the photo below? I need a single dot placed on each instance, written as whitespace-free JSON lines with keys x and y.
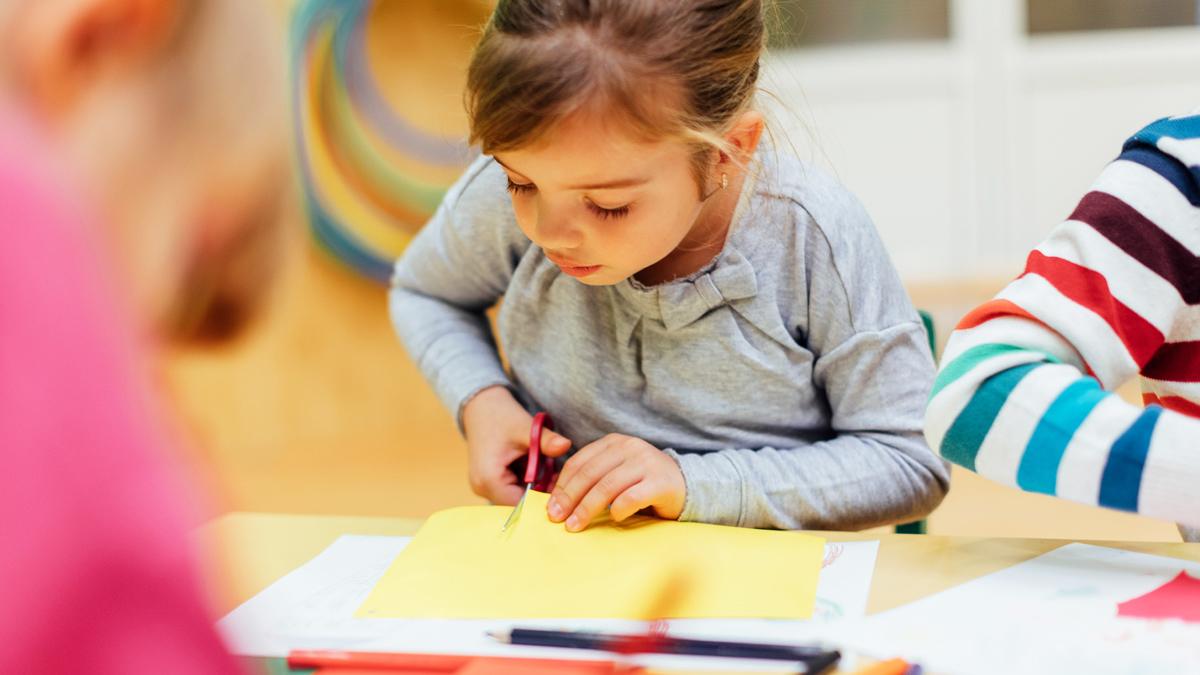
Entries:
{"x":604,"y":214}
{"x":520,"y":188}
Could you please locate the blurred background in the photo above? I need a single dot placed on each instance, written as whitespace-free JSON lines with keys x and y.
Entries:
{"x":968,"y":127}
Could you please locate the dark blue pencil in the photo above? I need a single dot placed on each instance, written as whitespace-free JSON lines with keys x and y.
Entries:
{"x":815,"y":659}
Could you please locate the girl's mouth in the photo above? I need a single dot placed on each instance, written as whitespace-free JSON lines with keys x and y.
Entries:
{"x":580,"y":271}
{"x":573,"y":268}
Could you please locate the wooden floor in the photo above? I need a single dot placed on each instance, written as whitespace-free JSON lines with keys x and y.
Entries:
{"x":319,"y":410}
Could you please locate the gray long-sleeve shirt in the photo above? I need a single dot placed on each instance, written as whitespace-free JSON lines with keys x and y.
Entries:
{"x":788,"y":377}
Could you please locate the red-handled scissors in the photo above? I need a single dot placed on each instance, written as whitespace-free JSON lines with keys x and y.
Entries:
{"x":540,"y":472}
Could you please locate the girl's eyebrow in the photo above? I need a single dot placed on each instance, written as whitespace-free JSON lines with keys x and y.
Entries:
{"x":612,"y":184}
{"x":501,"y":163}
{"x":607,"y":185}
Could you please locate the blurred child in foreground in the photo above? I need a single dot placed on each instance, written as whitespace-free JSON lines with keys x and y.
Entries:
{"x":142,"y":167}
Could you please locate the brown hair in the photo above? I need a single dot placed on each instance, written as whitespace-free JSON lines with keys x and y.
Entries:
{"x":669,"y":68}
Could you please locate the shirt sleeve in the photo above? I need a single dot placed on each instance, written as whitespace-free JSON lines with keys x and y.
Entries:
{"x":873,"y":363}
{"x":451,"y":274}
{"x":1023,"y":396}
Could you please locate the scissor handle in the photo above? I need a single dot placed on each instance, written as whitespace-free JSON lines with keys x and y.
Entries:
{"x":540,"y":421}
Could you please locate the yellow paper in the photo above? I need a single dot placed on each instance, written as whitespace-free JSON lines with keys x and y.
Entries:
{"x":461,"y":565}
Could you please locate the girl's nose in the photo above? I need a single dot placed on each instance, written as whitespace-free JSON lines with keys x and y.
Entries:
{"x":556,"y":231}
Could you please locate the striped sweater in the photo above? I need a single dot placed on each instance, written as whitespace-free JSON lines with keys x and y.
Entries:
{"x":1023,"y":392}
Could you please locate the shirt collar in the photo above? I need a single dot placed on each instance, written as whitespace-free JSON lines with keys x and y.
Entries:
{"x":682,"y":302}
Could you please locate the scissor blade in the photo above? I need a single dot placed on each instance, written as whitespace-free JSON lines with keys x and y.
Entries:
{"x":515,"y":515}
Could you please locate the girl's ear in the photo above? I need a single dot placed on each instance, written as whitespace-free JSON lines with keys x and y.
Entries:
{"x":61,"y":47}
{"x":743,"y":137}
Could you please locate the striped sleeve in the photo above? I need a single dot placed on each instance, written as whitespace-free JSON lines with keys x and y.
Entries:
{"x":1022,"y":396}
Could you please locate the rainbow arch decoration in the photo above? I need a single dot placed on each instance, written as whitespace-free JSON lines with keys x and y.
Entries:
{"x":370,"y":178}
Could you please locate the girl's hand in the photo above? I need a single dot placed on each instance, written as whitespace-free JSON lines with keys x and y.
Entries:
{"x":621,"y":473}
{"x":497,"y":430}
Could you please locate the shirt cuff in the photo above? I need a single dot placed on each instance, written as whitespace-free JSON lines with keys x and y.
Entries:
{"x":713,"y":488}
{"x":471,"y":393}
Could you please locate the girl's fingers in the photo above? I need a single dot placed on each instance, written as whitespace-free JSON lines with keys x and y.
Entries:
{"x":607,"y":487}
{"x":504,"y":469}
{"x":580,"y":458}
{"x":494,"y":480}
{"x":504,"y":493}
{"x":639,"y":496}
{"x":518,"y":429}
{"x":581,"y":472}
{"x":554,"y":444}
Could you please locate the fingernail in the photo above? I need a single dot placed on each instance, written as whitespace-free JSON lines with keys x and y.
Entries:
{"x":555,"y":510}
{"x":573,"y":523}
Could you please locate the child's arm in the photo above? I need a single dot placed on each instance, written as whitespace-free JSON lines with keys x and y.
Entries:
{"x":1111,"y":293}
{"x":871,"y":360}
{"x":875,"y":470}
{"x":450,"y":275}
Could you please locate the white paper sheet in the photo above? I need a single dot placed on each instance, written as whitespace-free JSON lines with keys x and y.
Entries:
{"x":312,"y":607}
{"x":1056,"y":613}
{"x":845,"y":580}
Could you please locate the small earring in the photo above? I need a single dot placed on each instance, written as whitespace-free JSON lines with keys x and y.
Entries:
{"x":724,"y":181}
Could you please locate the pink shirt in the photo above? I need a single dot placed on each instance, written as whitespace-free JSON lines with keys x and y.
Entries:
{"x":96,"y":573}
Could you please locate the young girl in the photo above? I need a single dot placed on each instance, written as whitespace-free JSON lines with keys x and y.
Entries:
{"x":712,"y":323}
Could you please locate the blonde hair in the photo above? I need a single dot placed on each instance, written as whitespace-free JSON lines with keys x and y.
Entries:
{"x":681,"y":69}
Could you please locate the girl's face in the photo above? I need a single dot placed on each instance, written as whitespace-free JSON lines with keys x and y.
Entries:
{"x":603,"y":205}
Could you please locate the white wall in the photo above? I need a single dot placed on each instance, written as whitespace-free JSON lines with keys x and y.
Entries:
{"x":968,"y":152}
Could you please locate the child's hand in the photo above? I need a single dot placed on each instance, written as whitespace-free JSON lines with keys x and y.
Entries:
{"x":624,"y":474}
{"x":497,"y":430}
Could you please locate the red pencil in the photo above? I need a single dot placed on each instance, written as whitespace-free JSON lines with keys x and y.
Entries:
{"x":446,"y":663}
{"x":429,"y":663}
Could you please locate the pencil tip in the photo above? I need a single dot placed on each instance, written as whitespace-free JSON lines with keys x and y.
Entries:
{"x":500,"y":635}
